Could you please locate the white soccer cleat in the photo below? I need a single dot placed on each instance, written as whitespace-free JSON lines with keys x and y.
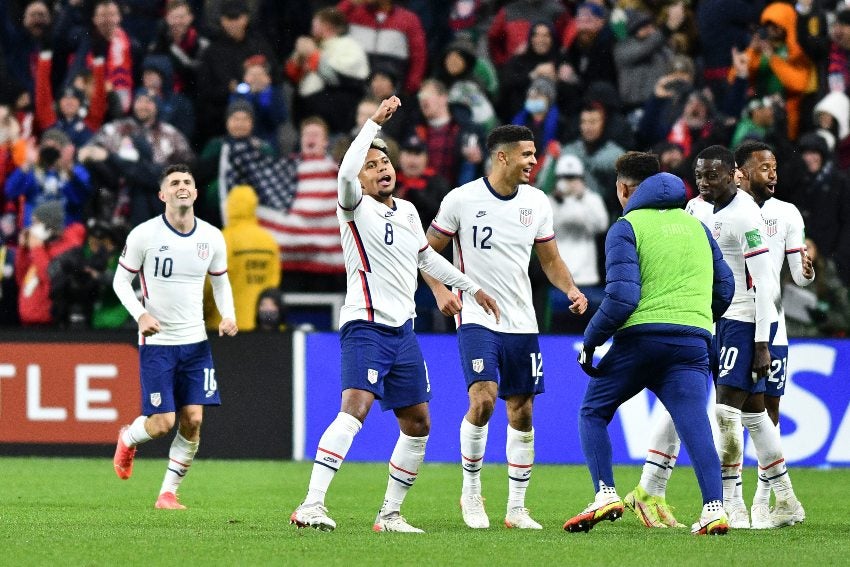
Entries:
{"x":787,"y":512}
{"x":739,"y":517}
{"x":519,"y":518}
{"x":712,"y":521}
{"x":760,"y":517}
{"x":472,"y":508}
{"x":394,"y":522}
{"x":312,"y":516}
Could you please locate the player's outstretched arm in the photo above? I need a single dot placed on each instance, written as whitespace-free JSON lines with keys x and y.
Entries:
{"x":448,"y":303}
{"x":439,"y":268}
{"x":559,"y":274}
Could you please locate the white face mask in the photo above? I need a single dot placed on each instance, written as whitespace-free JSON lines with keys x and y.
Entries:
{"x":39,"y":231}
{"x":563,"y":185}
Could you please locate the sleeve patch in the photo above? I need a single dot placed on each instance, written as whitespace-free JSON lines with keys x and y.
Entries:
{"x":753,"y":238}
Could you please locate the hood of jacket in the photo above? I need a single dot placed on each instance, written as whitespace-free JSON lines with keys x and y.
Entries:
{"x":162,"y":65}
{"x":660,"y":191}
{"x":241,"y":205}
{"x":838,"y":105}
{"x":784,"y":16}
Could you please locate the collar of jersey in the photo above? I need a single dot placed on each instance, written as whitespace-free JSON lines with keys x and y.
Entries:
{"x":497,"y":195}
{"x":177,"y":232}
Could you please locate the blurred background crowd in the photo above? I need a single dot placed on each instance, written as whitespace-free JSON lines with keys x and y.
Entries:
{"x":262,"y":97}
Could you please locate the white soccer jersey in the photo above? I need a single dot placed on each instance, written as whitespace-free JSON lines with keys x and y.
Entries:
{"x":784,"y":231}
{"x":383,"y":247}
{"x":739,"y":231}
{"x":172,"y":268}
{"x":701,"y":209}
{"x":493,"y":237}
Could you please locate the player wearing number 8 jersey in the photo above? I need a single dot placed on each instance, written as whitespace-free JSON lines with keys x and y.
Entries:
{"x":494,"y":222}
{"x":384,"y":247}
{"x":172,"y":255}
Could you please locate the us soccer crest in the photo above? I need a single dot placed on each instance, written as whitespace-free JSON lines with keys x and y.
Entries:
{"x":526,"y":216}
{"x":372,"y":375}
{"x":203,"y":250}
{"x":771,"y":226}
{"x":156,"y":399}
{"x":716,"y":232}
{"x":477,"y":365}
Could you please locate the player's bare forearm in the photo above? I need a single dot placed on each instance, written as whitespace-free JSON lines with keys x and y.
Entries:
{"x":559,"y":275}
{"x":437,"y":239}
{"x":448,"y":303}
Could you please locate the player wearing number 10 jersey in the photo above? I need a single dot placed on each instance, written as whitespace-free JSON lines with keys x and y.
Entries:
{"x":495,"y":222}
{"x":172,"y":255}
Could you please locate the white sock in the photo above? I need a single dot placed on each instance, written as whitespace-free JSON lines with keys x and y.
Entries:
{"x":769,"y":453}
{"x":731,"y":449}
{"x":136,"y":434}
{"x":333,"y":447}
{"x":519,"y":450}
{"x":661,"y":457}
{"x":404,"y":465}
{"x":473,"y":440}
{"x":180,"y":458}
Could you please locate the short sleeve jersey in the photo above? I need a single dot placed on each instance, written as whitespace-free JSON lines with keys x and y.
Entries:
{"x":172,"y":267}
{"x":493,"y":238}
{"x":381,"y":246}
{"x":701,"y":209}
{"x":785,"y":234}
{"x":738,"y":230}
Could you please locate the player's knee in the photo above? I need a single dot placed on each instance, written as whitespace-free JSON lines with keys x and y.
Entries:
{"x":159,"y":424}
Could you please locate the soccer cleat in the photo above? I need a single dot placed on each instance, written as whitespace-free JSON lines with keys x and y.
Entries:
{"x":472,"y":508}
{"x":760,"y":514}
{"x":312,"y":516}
{"x":394,"y":522}
{"x":519,"y":518}
{"x":606,"y":506}
{"x":712,"y":521}
{"x":739,"y":517}
{"x":652,"y":511}
{"x":787,"y":512}
{"x":168,"y":501}
{"x":122,"y":462}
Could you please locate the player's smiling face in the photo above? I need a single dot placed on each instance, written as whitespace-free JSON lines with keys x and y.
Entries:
{"x":519,"y":159}
{"x":178,"y":190}
{"x":714,"y":180}
{"x":760,"y":169}
{"x":377,"y":175}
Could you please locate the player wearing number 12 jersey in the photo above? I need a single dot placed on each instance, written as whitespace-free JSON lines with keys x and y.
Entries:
{"x":172,"y":255}
{"x":495,"y":222}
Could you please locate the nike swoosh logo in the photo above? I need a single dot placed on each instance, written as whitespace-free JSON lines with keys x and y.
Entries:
{"x":480,"y":214}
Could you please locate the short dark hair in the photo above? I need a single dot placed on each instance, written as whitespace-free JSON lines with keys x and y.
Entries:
{"x":718,"y":152}
{"x":637,"y":166}
{"x":174,"y":168}
{"x":508,"y":134}
{"x":748,"y":148}
{"x":334,"y":18}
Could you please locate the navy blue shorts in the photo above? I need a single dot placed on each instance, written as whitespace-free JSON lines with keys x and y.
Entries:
{"x":174,"y":376}
{"x":775,"y":385}
{"x":734,"y":348}
{"x":386,"y":361}
{"x":511,"y":360}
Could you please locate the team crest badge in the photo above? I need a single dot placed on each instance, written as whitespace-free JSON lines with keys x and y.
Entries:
{"x":771,"y":226}
{"x":372,"y":375}
{"x":156,"y":399}
{"x":526,"y":216}
{"x":716,"y":232}
{"x":477,"y":365}
{"x":203,"y":250}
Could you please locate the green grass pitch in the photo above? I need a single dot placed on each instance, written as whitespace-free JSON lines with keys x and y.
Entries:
{"x":76,"y":512}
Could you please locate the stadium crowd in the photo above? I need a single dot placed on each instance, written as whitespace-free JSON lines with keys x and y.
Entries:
{"x":98,"y":97}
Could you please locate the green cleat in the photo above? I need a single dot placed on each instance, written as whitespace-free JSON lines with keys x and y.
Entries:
{"x":652,"y":511}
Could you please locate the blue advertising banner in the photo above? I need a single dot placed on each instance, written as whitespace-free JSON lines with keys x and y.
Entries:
{"x":815,"y":422}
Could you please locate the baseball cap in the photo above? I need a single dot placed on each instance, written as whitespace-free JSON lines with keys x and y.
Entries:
{"x":413,"y":144}
{"x":569,"y":165}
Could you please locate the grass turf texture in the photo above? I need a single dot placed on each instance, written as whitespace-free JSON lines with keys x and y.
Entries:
{"x":75,"y":511}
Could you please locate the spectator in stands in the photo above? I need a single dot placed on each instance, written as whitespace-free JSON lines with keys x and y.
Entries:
{"x":470,"y":81}
{"x":641,"y":59}
{"x":108,"y":39}
{"x":590,"y":57}
{"x":180,"y":40}
{"x":13,"y":151}
{"x":669,"y":96}
{"x":839,"y":54}
{"x":253,"y":263}
{"x":508,"y":33}
{"x":266,"y":99}
{"x":542,"y":117}
{"x":455,"y":149}
{"x":221,"y":67}
{"x":175,"y":108}
{"x":390,"y":35}
{"x":21,"y":44}
{"x":270,"y":316}
{"x":308,"y":233}
{"x":51,"y":174}
{"x":417,"y":181}
{"x":329,"y":69}
{"x":383,"y":83}
{"x":37,"y":246}
{"x":78,"y":120}
{"x":698,"y":126}
{"x":597,"y":155}
{"x":538,"y":60}
{"x":832,"y":120}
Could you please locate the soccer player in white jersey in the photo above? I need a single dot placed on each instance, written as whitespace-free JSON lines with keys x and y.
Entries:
{"x":172,"y":254}
{"x":784,"y":231}
{"x":494,"y":222}
{"x":384,"y":247}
